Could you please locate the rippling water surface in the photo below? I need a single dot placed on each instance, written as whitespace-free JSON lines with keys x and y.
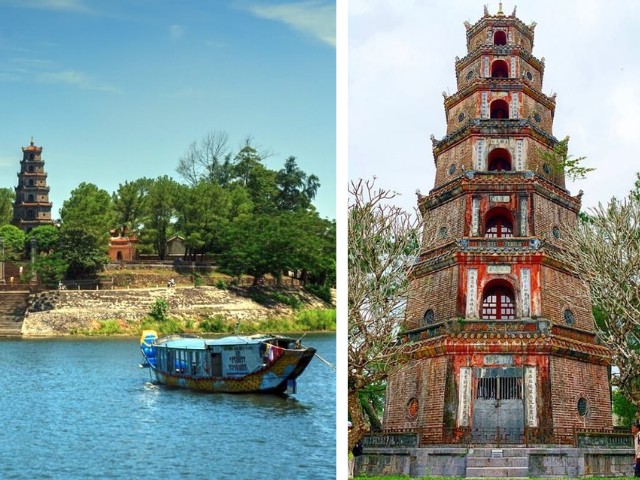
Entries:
{"x":84,"y":409}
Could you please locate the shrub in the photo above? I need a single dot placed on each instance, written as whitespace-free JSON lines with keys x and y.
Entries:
{"x":214,"y":324}
{"x":319,"y":319}
{"x":221,"y":284}
{"x":159,"y":310}
{"x":291,"y":300}
{"x":323,"y":292}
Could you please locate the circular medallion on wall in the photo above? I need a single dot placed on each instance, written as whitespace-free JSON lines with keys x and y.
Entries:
{"x":452,"y":169}
{"x":442,"y":233}
{"x":568,"y":316}
{"x":555,"y":231}
{"x":412,"y":408}
{"x":546,"y":168}
{"x":529,"y":76}
{"x":461,"y":117}
{"x":537,"y":117}
{"x":469,"y":74}
{"x":582,"y":406}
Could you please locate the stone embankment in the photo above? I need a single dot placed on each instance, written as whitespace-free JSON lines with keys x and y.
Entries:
{"x":60,"y":312}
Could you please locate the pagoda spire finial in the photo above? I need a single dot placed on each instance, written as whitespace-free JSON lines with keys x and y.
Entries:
{"x":31,"y":140}
{"x":500,"y":12}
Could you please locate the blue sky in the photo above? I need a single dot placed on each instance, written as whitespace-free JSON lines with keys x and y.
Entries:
{"x":118,"y":90}
{"x":402,"y":56}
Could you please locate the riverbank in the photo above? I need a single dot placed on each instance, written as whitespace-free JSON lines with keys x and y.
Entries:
{"x":169,"y":310}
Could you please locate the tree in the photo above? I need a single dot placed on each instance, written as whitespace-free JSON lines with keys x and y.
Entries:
{"x":604,"y":253}
{"x":13,"y":242}
{"x":51,"y":269}
{"x":161,"y":212}
{"x":130,"y":205}
{"x":260,"y":182}
{"x":201,"y":212}
{"x":91,"y":209}
{"x":208,"y":160}
{"x":383,"y":242}
{"x":296,"y":189}
{"x":82,"y":250}
{"x":46,"y":237}
{"x":7,"y":196}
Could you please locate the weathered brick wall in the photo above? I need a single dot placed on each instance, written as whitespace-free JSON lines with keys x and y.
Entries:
{"x":423,"y":380}
{"x":459,"y":156}
{"x":572,"y":379}
{"x":436,"y":291}
{"x":530,"y":107}
{"x":561,"y":291}
{"x":536,"y":163}
{"x":447,"y":222}
{"x":547,"y":215}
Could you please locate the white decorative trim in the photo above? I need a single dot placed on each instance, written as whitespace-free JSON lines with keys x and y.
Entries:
{"x":464,"y":397}
{"x":480,"y":154}
{"x":524,"y":220}
{"x":512,"y":73}
{"x":530,"y":394}
{"x":519,"y":166}
{"x":486,"y":66}
{"x":514,"y":105}
{"x":483,"y":105}
{"x":525,"y":288}
{"x":475,"y":217}
{"x":472,"y":293}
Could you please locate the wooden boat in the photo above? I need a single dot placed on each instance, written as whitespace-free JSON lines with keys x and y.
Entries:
{"x":234,"y":364}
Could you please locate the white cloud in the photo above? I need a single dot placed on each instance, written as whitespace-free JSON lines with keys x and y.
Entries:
{"x":402,"y":56}
{"x":76,"y":79}
{"x":312,"y":17}
{"x":79,"y":6}
{"x":176,"y":32}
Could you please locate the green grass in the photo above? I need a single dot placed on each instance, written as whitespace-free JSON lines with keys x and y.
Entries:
{"x":404,"y":477}
{"x":312,"y":320}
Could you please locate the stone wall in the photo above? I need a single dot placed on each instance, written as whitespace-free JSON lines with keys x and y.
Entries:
{"x":58,"y":312}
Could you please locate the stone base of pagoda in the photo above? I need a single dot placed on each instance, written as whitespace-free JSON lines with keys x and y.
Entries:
{"x":496,"y":462}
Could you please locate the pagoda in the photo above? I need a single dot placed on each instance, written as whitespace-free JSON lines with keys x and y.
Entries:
{"x":500,"y":334}
{"x":32,"y":206}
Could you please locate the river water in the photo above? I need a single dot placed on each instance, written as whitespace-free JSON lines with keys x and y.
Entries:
{"x":82,"y":408}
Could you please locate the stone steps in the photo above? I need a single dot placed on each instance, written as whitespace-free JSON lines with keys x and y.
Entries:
{"x":497,"y":463}
{"x":13,"y":306}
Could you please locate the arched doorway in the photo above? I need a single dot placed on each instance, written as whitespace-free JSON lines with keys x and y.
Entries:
{"x":500,"y":38}
{"x":499,"y":109}
{"x":499,"y":69}
{"x":499,"y":160}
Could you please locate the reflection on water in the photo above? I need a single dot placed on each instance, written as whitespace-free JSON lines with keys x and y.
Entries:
{"x":84,"y":409}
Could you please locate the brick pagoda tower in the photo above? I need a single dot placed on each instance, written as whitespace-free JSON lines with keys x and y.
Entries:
{"x":501,"y":335}
{"x":32,"y":206}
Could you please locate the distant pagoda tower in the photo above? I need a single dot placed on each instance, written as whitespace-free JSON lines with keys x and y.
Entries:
{"x":499,"y":334}
{"x":32,"y":206}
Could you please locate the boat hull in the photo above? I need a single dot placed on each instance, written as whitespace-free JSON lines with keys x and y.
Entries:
{"x":274,"y":378}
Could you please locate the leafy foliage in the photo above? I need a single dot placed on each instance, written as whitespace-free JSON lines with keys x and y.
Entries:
{"x":13,"y":241}
{"x":83,"y":251}
{"x":7,"y":196}
{"x":560,"y":161}
{"x":159,"y":310}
